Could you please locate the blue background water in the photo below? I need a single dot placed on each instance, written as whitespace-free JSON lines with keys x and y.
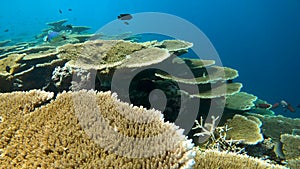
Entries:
{"x":259,"y":38}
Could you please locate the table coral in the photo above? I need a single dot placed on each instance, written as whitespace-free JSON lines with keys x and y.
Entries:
{"x":58,"y":134}
{"x":244,"y":129}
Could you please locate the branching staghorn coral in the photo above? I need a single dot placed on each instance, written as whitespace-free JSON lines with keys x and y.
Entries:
{"x":207,"y":128}
{"x":217,"y":137}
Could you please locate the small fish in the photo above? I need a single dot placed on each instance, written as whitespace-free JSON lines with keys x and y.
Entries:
{"x":70,"y":9}
{"x":126,"y":23}
{"x":283,"y":103}
{"x":298,"y":106}
{"x":6,"y":30}
{"x":287,"y":106}
{"x":275,"y":105}
{"x":7,"y":68}
{"x":290,"y":108}
{"x":54,"y":37}
{"x":60,"y":11}
{"x":263,"y":105}
{"x":125,"y":17}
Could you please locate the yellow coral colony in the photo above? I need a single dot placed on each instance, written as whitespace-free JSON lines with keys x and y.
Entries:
{"x":42,"y":134}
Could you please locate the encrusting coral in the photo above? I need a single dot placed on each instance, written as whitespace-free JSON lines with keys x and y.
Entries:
{"x":290,"y":146}
{"x":274,"y":126}
{"x":87,"y":129}
{"x":294,"y":163}
{"x":242,"y":128}
{"x":211,"y":159}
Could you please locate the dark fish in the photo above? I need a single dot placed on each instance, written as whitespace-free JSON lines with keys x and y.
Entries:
{"x":69,"y":26}
{"x":298,"y":106}
{"x":7,"y":68}
{"x":263,"y":105}
{"x":126,"y":23}
{"x":60,"y":11}
{"x":6,"y":30}
{"x":125,"y":17}
{"x":290,"y":108}
{"x":70,"y":9}
{"x":274,"y":106}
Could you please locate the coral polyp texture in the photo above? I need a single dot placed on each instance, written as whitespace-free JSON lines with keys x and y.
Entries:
{"x":39,"y":131}
{"x":291,"y":146}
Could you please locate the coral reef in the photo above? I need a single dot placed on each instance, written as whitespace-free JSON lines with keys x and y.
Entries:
{"x":62,"y":130}
{"x":294,"y":163}
{"x":174,"y":45}
{"x":194,"y":63}
{"x":215,"y":74}
{"x":219,"y":90}
{"x":32,"y":68}
{"x":5,"y":42}
{"x":262,"y":107}
{"x":290,"y":146}
{"x":223,"y":160}
{"x":274,"y":126}
{"x":217,"y":137}
{"x":98,"y":54}
{"x":59,"y":134}
{"x":61,"y":76}
{"x":244,"y":129}
{"x":240,"y":101}
{"x":211,"y":80}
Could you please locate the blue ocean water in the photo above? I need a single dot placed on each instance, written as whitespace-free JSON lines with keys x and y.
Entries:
{"x":259,"y":38}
